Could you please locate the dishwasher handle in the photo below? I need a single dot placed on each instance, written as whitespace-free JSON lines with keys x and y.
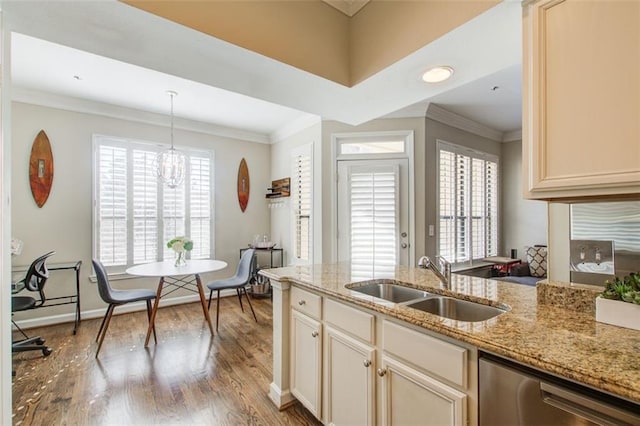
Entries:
{"x":587,"y":408}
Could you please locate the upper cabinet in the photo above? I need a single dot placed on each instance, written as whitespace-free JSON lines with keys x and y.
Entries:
{"x":581,"y":98}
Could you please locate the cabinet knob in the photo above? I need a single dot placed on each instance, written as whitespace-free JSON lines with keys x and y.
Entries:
{"x":366,"y":363}
{"x":382,"y":372}
{"x":301,"y":302}
{"x":314,"y":334}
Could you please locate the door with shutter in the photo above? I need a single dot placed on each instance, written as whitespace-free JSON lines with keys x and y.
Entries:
{"x":373,"y":215}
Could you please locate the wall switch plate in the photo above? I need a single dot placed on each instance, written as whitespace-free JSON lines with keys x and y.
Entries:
{"x":592,"y":256}
{"x":432,"y":230}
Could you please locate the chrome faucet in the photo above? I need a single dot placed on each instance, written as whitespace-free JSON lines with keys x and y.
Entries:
{"x":442,"y":269}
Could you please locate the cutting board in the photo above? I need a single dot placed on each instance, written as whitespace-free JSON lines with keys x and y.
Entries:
{"x":41,"y":168}
{"x":243,"y":185}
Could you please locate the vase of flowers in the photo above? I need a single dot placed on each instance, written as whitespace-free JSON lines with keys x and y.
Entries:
{"x":180,"y":245}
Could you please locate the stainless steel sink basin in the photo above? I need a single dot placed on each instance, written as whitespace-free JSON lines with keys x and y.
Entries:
{"x":455,"y":309}
{"x":388,"y":291}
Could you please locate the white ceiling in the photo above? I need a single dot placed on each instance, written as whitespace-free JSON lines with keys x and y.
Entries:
{"x":136,"y":57}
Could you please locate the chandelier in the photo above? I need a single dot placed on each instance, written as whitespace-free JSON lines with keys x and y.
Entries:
{"x":171,"y":163}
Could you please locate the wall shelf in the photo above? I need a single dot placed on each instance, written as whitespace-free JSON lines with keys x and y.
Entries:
{"x":279,"y":188}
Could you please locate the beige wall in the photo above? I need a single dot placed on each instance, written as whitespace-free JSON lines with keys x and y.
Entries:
{"x":524,"y":222}
{"x":438,"y":131}
{"x":315,"y":37}
{"x":384,"y":31}
{"x":64,"y":223}
{"x":281,"y":218}
{"x":310,"y":35}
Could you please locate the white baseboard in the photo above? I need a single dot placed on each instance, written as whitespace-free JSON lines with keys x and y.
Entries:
{"x":99,"y":313}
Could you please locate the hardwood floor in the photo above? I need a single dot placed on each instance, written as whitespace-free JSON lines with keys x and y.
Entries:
{"x":189,"y":377}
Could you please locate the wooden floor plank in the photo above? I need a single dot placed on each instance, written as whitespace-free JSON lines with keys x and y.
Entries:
{"x":189,"y":377}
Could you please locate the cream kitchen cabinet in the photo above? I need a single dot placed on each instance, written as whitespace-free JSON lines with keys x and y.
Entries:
{"x":581,"y":99}
{"x":350,"y":379}
{"x":424,"y":380}
{"x":306,"y":350}
{"x":410,"y":397}
{"x":350,"y":362}
{"x":348,"y":365}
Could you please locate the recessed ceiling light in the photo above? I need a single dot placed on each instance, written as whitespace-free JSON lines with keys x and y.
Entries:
{"x":437,"y":74}
{"x":77,"y":77}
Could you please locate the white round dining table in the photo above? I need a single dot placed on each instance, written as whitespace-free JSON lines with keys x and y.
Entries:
{"x":183,"y":276}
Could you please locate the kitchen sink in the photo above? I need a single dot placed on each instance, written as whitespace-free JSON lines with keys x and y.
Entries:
{"x":389,"y":291}
{"x":455,"y":309}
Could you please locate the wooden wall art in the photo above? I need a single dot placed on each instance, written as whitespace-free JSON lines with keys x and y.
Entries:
{"x":41,"y":168}
{"x":243,"y":185}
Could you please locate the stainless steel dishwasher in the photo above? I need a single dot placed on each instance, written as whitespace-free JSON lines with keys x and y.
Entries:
{"x":515,"y":395}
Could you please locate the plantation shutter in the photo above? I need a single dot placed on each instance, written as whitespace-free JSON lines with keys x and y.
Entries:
{"x":468,"y":204}
{"x":492,"y":189}
{"x":200,"y":203}
{"x":374,"y":222}
{"x":145,"y":207}
{"x":135,"y":215}
{"x":111,"y":210}
{"x":301,"y":200}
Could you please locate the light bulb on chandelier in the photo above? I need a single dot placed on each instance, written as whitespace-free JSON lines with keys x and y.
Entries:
{"x":171,"y":163}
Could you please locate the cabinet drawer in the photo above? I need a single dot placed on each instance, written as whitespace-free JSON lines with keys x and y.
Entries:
{"x":306,"y":302}
{"x":354,"y":321}
{"x":435,"y":356}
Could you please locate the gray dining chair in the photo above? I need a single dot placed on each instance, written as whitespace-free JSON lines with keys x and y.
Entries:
{"x":238,"y":282}
{"x":116,"y":297}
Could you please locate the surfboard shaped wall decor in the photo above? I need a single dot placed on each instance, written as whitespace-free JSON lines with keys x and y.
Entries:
{"x":41,"y":168}
{"x":243,"y":185}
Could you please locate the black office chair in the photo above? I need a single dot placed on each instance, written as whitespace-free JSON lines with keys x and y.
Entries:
{"x":115,"y":297}
{"x":238,"y":282}
{"x":34,"y":280}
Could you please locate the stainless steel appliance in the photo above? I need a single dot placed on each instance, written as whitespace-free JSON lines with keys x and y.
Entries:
{"x":514,"y":395}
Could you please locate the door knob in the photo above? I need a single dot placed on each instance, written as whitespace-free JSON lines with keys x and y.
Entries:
{"x":301,"y":302}
{"x":314,"y":334}
{"x":367,"y":363}
{"x":403,"y":245}
{"x":403,"y":235}
{"x":382,"y":372}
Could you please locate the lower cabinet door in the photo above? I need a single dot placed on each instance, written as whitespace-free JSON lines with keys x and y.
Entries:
{"x":350,"y":378}
{"x":410,"y":397}
{"x":306,"y":361}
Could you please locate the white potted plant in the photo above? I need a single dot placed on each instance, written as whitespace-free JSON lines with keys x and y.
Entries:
{"x":619,"y":304}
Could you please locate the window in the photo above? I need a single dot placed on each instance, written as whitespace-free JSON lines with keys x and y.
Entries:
{"x":135,"y":215}
{"x":468,"y":203}
{"x":301,"y":205}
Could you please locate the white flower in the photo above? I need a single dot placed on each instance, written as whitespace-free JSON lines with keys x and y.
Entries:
{"x":180,"y":244}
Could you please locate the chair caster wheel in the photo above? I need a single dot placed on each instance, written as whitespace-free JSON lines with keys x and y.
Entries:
{"x":46,"y":351}
{"x":40,"y":341}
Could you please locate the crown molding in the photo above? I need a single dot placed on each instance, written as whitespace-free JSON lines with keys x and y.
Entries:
{"x":294,"y":127}
{"x":418,"y":110}
{"x":440,"y":114}
{"x":68,"y":103}
{"x":513,"y":136}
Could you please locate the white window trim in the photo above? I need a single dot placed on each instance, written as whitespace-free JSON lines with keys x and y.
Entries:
{"x":459,"y":149}
{"x":118,"y":271}
{"x":339,"y":138}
